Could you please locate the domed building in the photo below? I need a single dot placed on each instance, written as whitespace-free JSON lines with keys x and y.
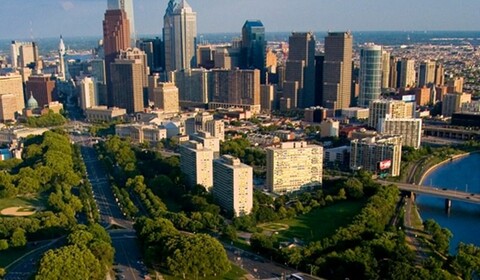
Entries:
{"x":32,"y":103}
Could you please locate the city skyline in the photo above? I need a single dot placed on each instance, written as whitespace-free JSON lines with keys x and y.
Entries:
{"x":49,"y":18}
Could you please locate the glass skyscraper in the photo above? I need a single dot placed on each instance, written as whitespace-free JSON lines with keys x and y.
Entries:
{"x":253,"y":45}
{"x":370,"y":74}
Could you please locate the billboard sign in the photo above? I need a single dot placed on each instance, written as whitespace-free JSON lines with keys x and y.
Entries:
{"x":384,"y":164}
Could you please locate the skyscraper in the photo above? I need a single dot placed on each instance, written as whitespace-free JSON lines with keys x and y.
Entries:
{"x":370,"y":74}
{"x":180,"y":36}
{"x":337,"y":71}
{"x":253,"y":46}
{"x":385,"y":69}
{"x":127,"y":84}
{"x":407,"y":73}
{"x":301,"y":67}
{"x":23,"y":53}
{"x":166,"y":97}
{"x":426,"y":75}
{"x":88,"y":92}
{"x":127,"y":6}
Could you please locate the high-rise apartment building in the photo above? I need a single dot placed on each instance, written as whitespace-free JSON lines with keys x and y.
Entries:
{"x":253,"y":46}
{"x":127,"y":84}
{"x":236,"y":87}
{"x":455,"y":85}
{"x":12,"y":84}
{"x":233,"y":185}
{"x":267,"y":97}
{"x":293,"y":165}
{"x":42,"y":88}
{"x":439,"y":75}
{"x":216,"y":128}
{"x":196,"y":163}
{"x":166,"y":97}
{"x":301,"y":67}
{"x":426,"y":74}
{"x":87,"y":87}
{"x":409,"y":128}
{"x":385,"y":69}
{"x":380,"y":155}
{"x":8,"y":105}
{"x":23,"y":54}
{"x":370,"y":74}
{"x":180,"y":36}
{"x":194,"y":85}
{"x":407,"y":73}
{"x":381,"y":108}
{"x":453,"y":102}
{"x":393,"y":75}
{"x":208,"y":141}
{"x":337,"y":70}
{"x":127,"y":6}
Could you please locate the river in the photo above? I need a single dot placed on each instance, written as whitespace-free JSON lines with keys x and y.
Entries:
{"x":464,"y":218}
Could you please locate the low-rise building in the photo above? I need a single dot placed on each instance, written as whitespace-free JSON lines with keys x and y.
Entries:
{"x":104,"y":114}
{"x":141,"y":133}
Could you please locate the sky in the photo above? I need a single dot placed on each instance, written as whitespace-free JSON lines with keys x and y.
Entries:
{"x":21,"y":19}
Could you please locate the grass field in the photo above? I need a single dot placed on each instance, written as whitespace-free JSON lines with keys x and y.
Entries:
{"x":319,"y":223}
{"x":23,"y":202}
{"x":236,"y":273}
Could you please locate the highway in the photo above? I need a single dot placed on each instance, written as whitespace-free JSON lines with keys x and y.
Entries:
{"x":437,"y":192}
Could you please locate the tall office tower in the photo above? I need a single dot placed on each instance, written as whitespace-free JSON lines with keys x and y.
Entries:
{"x":98,"y":71}
{"x":8,"y":105}
{"x":166,"y":97}
{"x":127,"y":84}
{"x":439,"y":75}
{"x":407,"y":73}
{"x":116,"y":37}
{"x":208,"y":141}
{"x":62,"y":70}
{"x":227,"y":57}
{"x":452,"y":103}
{"x":267,"y":96}
{"x":87,"y":87}
{"x":41,"y":87}
{"x":205,"y":56}
{"x":127,"y":6}
{"x":410,"y":129}
{"x":23,"y":54}
{"x":153,"y":48}
{"x":393,"y":75}
{"x":180,"y":36}
{"x":140,"y":56}
{"x":426,"y":74}
{"x":12,"y":84}
{"x":455,"y":85}
{"x":379,"y":109}
{"x":293,"y":85}
{"x":300,"y":67}
{"x":319,"y":59}
{"x":216,"y":128}
{"x":293,"y":165}
{"x":253,"y":47}
{"x":116,"y":34}
{"x":233,"y":185}
{"x":236,"y":87}
{"x":385,"y":69}
{"x":370,"y":74}
{"x":194,"y":85}
{"x":196,"y":162}
{"x":380,"y":155}
{"x":337,"y":70}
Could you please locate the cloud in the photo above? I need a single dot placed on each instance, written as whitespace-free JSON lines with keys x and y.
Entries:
{"x":67,"y":5}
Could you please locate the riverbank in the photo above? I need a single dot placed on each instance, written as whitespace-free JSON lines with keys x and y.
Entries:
{"x":436,"y":166}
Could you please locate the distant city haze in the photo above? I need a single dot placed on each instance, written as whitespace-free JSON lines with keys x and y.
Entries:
{"x":49,"y":18}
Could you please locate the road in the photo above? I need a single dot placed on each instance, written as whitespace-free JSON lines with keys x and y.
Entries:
{"x":25,"y":267}
{"x":127,"y":252}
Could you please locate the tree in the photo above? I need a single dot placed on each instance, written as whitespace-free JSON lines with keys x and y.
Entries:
{"x":18,"y":238}
{"x":69,"y":262}
{"x":354,"y":188}
{"x":3,"y":244}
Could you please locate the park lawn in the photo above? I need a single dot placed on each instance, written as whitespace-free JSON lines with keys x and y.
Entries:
{"x":33,"y":201}
{"x":321,"y":222}
{"x":236,"y":273}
